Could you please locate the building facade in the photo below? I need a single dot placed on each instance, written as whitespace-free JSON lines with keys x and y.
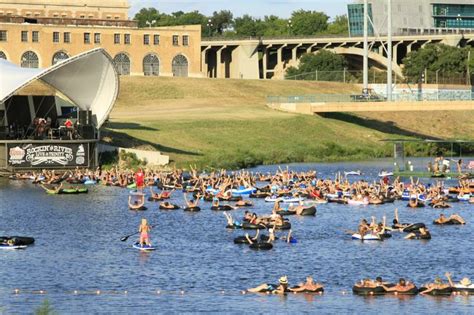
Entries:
{"x":37,"y":36}
{"x":413,"y":14}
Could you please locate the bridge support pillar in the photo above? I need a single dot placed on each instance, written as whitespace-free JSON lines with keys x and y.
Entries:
{"x":219,"y":63}
{"x":203,"y":61}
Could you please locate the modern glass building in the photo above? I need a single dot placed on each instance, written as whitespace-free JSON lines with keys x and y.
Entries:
{"x":412,"y":14}
{"x":355,"y":13}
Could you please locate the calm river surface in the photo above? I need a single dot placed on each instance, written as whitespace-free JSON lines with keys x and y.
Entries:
{"x":197,"y":268}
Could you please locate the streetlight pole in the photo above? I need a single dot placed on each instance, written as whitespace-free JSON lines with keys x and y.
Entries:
{"x":389,"y":51}
{"x":209,"y":26}
{"x":150,"y":23}
{"x":366,"y":48}
{"x":289,"y":26}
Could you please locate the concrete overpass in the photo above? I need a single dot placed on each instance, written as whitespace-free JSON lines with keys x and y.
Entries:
{"x":269,"y":58}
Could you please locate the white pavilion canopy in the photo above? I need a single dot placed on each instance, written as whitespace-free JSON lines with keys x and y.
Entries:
{"x":89,"y":80}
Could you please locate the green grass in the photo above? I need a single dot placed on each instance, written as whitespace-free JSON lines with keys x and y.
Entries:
{"x":225,"y":123}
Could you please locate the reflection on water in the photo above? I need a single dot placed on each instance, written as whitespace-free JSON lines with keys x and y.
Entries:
{"x":198,"y":268}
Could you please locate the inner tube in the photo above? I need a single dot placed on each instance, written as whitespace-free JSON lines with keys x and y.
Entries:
{"x":68,"y":191}
{"x":142,"y":208}
{"x":155,"y":199}
{"x":192,"y":209}
{"x":368,"y":291}
{"x":222,"y":208}
{"x":261,"y":246}
{"x":250,"y":226}
{"x":234,"y":226}
{"x":241,"y":240}
{"x":286,"y":212}
{"x":414,"y":227}
{"x":175,"y":207}
{"x":419,"y":204}
{"x":439,"y":292}
{"x":309,"y":211}
{"x":17,"y":240}
{"x":285,"y":226}
{"x":232,"y":198}
{"x":450,"y":222}
{"x":464,"y":290}
{"x":318,"y":290}
{"x":259,"y":195}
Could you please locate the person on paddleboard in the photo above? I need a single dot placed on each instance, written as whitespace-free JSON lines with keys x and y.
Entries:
{"x":144,"y":229}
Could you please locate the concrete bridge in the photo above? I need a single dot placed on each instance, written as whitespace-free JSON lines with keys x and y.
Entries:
{"x":269,"y":58}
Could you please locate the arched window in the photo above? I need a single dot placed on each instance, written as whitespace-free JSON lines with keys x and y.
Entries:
{"x":151,"y":65}
{"x":122,"y":64}
{"x":2,"y":55}
{"x":180,"y":66}
{"x":29,"y":60}
{"x":59,"y":56}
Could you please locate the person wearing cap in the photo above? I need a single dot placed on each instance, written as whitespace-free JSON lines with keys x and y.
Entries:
{"x":282,"y":288}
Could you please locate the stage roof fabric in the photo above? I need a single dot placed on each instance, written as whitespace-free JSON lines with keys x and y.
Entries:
{"x":89,"y":80}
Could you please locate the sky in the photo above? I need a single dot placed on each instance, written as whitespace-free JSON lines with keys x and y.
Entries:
{"x":256,"y":8}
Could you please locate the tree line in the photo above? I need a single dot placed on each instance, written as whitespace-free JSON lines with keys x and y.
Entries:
{"x":223,"y":23}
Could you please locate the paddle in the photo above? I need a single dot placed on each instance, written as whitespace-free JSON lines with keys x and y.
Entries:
{"x":123,"y":239}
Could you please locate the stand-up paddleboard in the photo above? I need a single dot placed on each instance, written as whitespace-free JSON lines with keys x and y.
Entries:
{"x":6,"y":246}
{"x":144,"y":248}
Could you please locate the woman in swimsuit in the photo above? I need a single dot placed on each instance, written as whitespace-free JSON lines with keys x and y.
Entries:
{"x":144,"y":229}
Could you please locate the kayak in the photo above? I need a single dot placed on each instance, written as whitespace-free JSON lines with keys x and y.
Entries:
{"x":385,"y":174}
{"x":283,"y":199}
{"x":406,"y":196}
{"x":6,"y":246}
{"x":144,"y":248}
{"x":465,"y":197}
{"x":244,"y":191}
{"x":354,"y":173}
{"x":367,"y":237}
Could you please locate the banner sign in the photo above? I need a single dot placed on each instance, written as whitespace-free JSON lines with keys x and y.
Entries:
{"x":48,"y":155}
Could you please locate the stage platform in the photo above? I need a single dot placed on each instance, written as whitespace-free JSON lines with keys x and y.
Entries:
{"x":31,"y":155}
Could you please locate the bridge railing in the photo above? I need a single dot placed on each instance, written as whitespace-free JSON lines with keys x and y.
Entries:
{"x":451,"y":95}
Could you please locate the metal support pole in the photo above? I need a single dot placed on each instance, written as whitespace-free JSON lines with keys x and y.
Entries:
{"x":389,"y":51}
{"x":366,"y":46}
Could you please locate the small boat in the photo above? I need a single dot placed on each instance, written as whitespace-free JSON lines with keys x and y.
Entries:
{"x":357,"y":202}
{"x":385,"y":174}
{"x":9,"y":247}
{"x":244,"y":191}
{"x":353,"y":173}
{"x":367,"y":237}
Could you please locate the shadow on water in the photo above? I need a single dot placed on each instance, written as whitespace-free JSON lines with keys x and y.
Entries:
{"x":124,"y":140}
{"x":382,"y":126}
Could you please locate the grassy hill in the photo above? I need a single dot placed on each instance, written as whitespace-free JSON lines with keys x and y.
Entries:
{"x":225,"y":123}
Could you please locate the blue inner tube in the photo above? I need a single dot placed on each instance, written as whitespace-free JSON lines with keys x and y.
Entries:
{"x":261,"y":246}
{"x":222,"y":208}
{"x":192,"y":209}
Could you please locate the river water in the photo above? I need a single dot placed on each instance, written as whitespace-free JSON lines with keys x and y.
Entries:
{"x":197,"y":268}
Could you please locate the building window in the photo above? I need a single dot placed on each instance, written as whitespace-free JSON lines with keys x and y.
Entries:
{"x":97,"y":38}
{"x":122,"y":64}
{"x":29,"y":60}
{"x":126,"y":39}
{"x":2,"y":55}
{"x":116,"y":38}
{"x":35,"y":36}
{"x":146,"y":39}
{"x":67,"y":37}
{"x":3,"y":36}
{"x":87,"y":38}
{"x":83,"y":16}
{"x":56,"y":37}
{"x":185,"y":40}
{"x":180,"y":66}
{"x":24,"y":36}
{"x":156,"y":39}
{"x":175,"y":40}
{"x":59,"y":56}
{"x":151,"y":65}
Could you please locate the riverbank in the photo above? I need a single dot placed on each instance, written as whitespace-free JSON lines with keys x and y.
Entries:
{"x":225,"y":123}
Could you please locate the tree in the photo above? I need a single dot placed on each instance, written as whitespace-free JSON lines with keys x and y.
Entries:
{"x":248,"y":26}
{"x":340,"y":26}
{"x":274,"y":26}
{"x":329,"y":65}
{"x":308,"y":22}
{"x":192,"y":18}
{"x":222,"y":20}
{"x":146,"y":14}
